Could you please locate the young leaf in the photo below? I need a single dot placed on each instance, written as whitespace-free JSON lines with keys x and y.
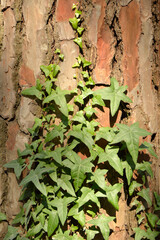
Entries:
{"x":130,"y":135}
{"x":61,"y":57}
{"x":33,"y":91}
{"x":18,"y":165}
{"x":89,"y":111}
{"x":102,"y":222}
{"x":144,"y":193}
{"x":97,"y":100}
{"x":65,"y":184}
{"x":74,"y":22}
{"x":63,"y":236}
{"x":80,"y":30}
{"x":58,"y":131}
{"x":85,"y":63}
{"x":152,"y":234}
{"x":145,"y":166}
{"x":78,"y":41}
{"x":57,"y":51}
{"x":53,"y":222}
{"x":79,"y":117}
{"x":79,"y":99}
{"x":115,"y":94}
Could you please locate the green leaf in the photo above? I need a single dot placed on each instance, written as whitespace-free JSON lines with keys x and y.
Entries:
{"x":80,"y":30}
{"x":102,"y":222}
{"x":149,"y":147}
{"x":78,"y":41}
{"x":65,"y":184}
{"x":145,"y":194}
{"x":52,"y":70}
{"x":139,"y":233}
{"x":11,"y":234}
{"x":99,"y":178}
{"x":157,"y":197}
{"x":35,"y":230}
{"x":79,"y":99}
{"x":85,"y":74}
{"x":58,"y":97}
{"x":48,"y":86}
{"x":152,"y":234}
{"x":57,"y":51}
{"x":18,"y":165}
{"x":92,"y":83}
{"x":111,"y":156}
{"x":115,"y":94}
{"x":87,"y":195}
{"x":19,"y":217}
{"x":2,"y":217}
{"x":89,"y":111}
{"x":61,"y":57}
{"x":91,"y":234}
{"x":53,"y":222}
{"x":61,"y":205}
{"x":78,"y":13}
{"x":106,"y":133}
{"x":145,"y":166}
{"x":97,"y":100}
{"x":130,"y":135}
{"x":79,"y":117}
{"x":85,"y":63}
{"x":80,"y":217}
{"x":33,"y":91}
{"x":58,"y":131}
{"x":84,"y":137}
{"x":34,"y":178}
{"x":133,"y":186}
{"x":79,"y":170}
{"x":112,"y":194}
{"x":152,"y":219}
{"x":63,"y":236}
{"x":74,"y":22}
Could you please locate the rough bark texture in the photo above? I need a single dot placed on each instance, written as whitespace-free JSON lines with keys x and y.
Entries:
{"x":122,"y":39}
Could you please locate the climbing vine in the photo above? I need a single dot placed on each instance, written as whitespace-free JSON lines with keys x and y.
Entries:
{"x":63,"y":195}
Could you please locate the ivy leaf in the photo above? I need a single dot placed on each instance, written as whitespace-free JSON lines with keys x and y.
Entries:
{"x":35,"y":230}
{"x":91,"y":234}
{"x":48,"y":86}
{"x":78,"y":117}
{"x":102,"y":222}
{"x":80,"y":30}
{"x":78,"y":13}
{"x":139,"y":233}
{"x":149,"y":147}
{"x":63,"y":236}
{"x":65,"y":184}
{"x":152,"y":234}
{"x":80,"y":217}
{"x":2,"y":217}
{"x":34,"y":178}
{"x":99,"y":178}
{"x":78,"y":41}
{"x":106,"y":133}
{"x":79,"y":170}
{"x":58,"y":131}
{"x":79,"y":99}
{"x":83,"y":136}
{"x":92,"y":83}
{"x":52,"y":70}
{"x":85,"y":63}
{"x":61,"y":57}
{"x":115,"y":94}
{"x":33,"y":91}
{"x":53,"y":222}
{"x":58,"y":97}
{"x":74,"y":22}
{"x":132,"y":187}
{"x":144,"y":193}
{"x":111,"y":156}
{"x":157,"y":197}
{"x":145,"y":166}
{"x":130,"y":135}
{"x":152,"y":219}
{"x":18,"y":165}
{"x":87,"y":195}
{"x":11,"y":234}
{"x":57,"y":51}
{"x":112,"y":194}
{"x":97,"y":100}
{"x":89,"y":111}
{"x":61,"y":205}
{"x":19,"y":217}
{"x":85,"y":74}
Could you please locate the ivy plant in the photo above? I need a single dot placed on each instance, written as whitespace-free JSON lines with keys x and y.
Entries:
{"x":63,"y":193}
